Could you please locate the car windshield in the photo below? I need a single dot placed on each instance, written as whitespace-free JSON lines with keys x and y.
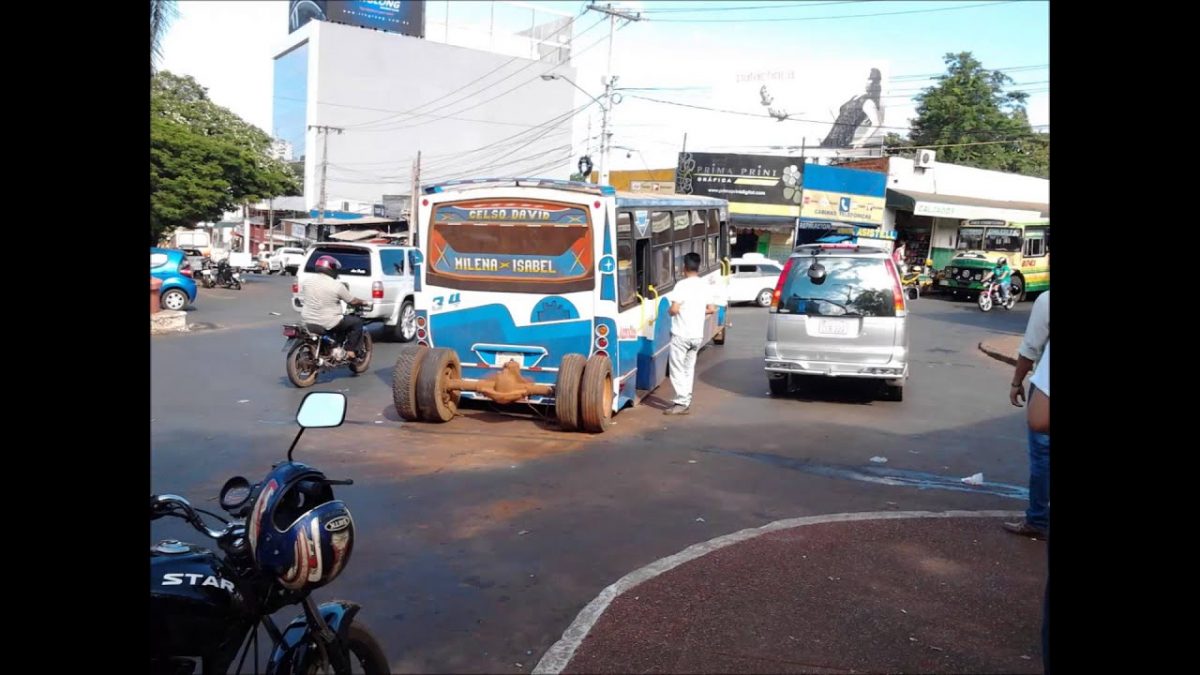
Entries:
{"x":851,"y":287}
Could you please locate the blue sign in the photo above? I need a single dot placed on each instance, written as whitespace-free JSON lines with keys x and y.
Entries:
{"x":608,"y":264}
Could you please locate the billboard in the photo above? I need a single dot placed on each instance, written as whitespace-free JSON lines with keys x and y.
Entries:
{"x":753,"y":184}
{"x":406,"y":17}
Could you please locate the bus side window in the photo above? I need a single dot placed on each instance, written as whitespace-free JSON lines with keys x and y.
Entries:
{"x":661,"y":269}
{"x":626,"y":273}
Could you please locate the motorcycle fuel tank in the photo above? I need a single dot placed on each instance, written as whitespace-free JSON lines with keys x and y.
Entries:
{"x":194,"y":604}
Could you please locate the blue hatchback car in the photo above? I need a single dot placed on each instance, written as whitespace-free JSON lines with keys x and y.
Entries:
{"x":173,"y":269}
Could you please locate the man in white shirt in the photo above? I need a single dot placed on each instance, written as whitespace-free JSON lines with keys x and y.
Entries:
{"x":1030,"y":353}
{"x":691,"y":302}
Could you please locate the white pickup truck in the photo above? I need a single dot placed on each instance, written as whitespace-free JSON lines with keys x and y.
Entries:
{"x":286,"y":260}
{"x":380,"y":274}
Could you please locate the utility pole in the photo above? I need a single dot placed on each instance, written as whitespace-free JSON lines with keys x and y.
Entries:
{"x":324,"y":131}
{"x":271,"y":225}
{"x":413,"y":201}
{"x":610,"y":81}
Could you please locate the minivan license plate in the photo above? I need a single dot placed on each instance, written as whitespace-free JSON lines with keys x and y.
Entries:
{"x":833,"y":328}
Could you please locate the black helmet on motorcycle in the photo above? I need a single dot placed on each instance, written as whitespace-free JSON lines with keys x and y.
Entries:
{"x":328,"y":264}
{"x":298,"y":532}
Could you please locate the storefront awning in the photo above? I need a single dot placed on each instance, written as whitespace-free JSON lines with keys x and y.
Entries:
{"x":963,"y":208}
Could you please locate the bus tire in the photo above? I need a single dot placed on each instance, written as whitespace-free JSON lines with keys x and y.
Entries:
{"x":596,"y":394}
{"x":566,"y":391}
{"x":435,"y":400}
{"x":404,"y":381}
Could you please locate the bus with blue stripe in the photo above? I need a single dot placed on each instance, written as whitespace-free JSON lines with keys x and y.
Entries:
{"x":551,"y":293}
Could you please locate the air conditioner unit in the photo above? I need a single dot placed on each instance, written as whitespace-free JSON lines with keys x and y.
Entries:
{"x":924,"y":159}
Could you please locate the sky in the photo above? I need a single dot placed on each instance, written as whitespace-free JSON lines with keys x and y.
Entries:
{"x":685,"y":52}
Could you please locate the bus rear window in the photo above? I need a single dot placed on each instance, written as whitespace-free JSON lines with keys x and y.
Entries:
{"x":511,"y":245}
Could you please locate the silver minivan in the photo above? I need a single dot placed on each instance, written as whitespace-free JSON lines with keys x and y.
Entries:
{"x":838,"y":311}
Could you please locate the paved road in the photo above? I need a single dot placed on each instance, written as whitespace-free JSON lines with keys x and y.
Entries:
{"x":479,"y":541}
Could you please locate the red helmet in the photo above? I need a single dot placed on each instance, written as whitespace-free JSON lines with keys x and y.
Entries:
{"x":328,"y":262}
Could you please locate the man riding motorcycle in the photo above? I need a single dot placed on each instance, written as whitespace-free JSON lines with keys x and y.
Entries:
{"x":322,"y":295}
{"x":1002,"y":274}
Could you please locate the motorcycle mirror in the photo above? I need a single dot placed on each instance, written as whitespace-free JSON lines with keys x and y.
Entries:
{"x":322,"y":409}
{"x":235,"y":493}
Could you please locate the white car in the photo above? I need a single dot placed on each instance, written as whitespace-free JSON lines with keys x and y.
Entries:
{"x":287,"y":260}
{"x":380,"y":274}
{"x":753,"y":279}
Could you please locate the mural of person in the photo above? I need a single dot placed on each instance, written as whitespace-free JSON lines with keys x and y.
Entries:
{"x":859,"y":120}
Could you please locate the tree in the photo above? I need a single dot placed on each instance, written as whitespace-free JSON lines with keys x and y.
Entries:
{"x":204,"y":159}
{"x":975,"y":122}
{"x":162,"y":13}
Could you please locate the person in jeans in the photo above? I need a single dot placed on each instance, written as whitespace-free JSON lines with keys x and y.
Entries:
{"x":1038,"y":416}
{"x":1033,"y":345}
{"x":690,"y":304}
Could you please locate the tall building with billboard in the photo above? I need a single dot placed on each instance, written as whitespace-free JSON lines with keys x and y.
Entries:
{"x":364,"y":86}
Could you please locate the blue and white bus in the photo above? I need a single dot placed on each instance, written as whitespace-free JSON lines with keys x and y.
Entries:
{"x":551,"y":292}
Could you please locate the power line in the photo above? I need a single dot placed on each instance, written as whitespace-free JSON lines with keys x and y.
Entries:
{"x":925,"y":76}
{"x":740,"y":8}
{"x":459,"y":90}
{"x":841,"y":16}
{"x":404,"y":124}
{"x":788,"y":119}
{"x":570,"y":24}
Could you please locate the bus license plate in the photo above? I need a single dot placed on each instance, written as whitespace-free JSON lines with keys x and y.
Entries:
{"x":504,"y":357}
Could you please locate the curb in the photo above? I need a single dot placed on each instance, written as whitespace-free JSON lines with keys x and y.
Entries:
{"x":995,"y":353}
{"x":168,"y":321}
{"x":560,"y":653}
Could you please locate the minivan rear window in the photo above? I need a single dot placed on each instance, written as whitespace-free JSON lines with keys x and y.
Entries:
{"x":356,"y":262}
{"x":851,"y":287}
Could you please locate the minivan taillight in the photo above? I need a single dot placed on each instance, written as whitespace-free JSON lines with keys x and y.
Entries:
{"x":897,"y":290}
{"x":779,"y":284}
{"x":377,"y":290}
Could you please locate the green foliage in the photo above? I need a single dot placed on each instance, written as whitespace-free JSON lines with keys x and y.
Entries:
{"x":205,"y":160}
{"x":975,"y":122}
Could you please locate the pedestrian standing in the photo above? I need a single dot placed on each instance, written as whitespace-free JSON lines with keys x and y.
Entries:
{"x":691,"y":302}
{"x":1033,"y":345}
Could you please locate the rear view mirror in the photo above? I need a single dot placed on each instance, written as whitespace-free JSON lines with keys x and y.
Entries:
{"x":322,"y":409}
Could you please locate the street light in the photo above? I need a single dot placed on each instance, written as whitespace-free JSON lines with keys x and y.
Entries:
{"x":605,"y":119}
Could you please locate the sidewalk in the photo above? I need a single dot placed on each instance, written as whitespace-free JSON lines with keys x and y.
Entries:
{"x":929,"y":595}
{"x":1003,"y":348}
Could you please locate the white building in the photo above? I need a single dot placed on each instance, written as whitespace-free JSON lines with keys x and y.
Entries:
{"x":377,"y":98}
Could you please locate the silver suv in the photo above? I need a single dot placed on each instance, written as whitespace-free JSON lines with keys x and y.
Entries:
{"x":838,"y":311}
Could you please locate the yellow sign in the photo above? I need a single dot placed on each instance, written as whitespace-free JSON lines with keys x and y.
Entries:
{"x":843,"y":207}
{"x":791,"y":210}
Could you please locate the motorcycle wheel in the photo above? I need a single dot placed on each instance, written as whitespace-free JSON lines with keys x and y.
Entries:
{"x":360,"y":364}
{"x":237,"y":285}
{"x":985,"y":301}
{"x":302,"y":365}
{"x":366,"y":655}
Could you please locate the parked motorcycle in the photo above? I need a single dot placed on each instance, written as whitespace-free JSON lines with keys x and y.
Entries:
{"x":312,"y":350}
{"x":990,"y":297}
{"x":287,"y":537}
{"x":227,"y":276}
